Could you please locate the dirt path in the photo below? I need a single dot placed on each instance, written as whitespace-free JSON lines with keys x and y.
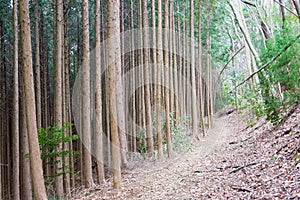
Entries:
{"x":175,"y":179}
{"x":234,"y":161}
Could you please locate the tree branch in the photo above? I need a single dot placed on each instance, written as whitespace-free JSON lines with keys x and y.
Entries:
{"x":236,"y":53}
{"x":268,"y":63}
{"x":286,"y":8}
{"x":249,"y":3}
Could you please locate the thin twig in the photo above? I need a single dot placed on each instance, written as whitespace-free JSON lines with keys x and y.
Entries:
{"x":242,"y":167}
{"x":240,"y":189}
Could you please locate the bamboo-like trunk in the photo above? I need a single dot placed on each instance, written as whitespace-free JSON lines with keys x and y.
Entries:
{"x":15,"y":121}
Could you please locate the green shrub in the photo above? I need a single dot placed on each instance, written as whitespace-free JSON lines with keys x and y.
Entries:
{"x":283,"y":73}
{"x":50,"y":139}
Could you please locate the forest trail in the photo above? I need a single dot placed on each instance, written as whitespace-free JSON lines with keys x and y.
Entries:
{"x":178,"y":177}
{"x":234,"y":161}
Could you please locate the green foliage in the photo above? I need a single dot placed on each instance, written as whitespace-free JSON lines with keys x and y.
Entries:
{"x":50,"y":139}
{"x":181,"y":142}
{"x":141,"y":140}
{"x":280,"y":82}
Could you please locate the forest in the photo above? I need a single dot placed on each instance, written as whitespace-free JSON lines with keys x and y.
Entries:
{"x":149,"y":99}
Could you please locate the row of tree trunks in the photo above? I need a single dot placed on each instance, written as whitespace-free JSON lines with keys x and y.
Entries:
{"x":110,"y":114}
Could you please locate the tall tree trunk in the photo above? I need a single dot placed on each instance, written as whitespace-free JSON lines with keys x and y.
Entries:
{"x":58,"y":90}
{"x":114,"y":62}
{"x":175,"y":71}
{"x":159,"y":66}
{"x":201,"y":99}
{"x":66,"y":104}
{"x":282,"y":11}
{"x":120,"y":98}
{"x":134,"y":116}
{"x":37,"y":65}
{"x":166,"y":78}
{"x":86,"y":107}
{"x":34,"y":150}
{"x":147,"y":79}
{"x":237,"y":10}
{"x":171,"y":61}
{"x":26,"y":182}
{"x":15,"y":120}
{"x":98,"y":98}
{"x":193,"y":79}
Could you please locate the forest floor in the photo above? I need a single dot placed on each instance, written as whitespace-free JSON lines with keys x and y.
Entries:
{"x":234,"y":161}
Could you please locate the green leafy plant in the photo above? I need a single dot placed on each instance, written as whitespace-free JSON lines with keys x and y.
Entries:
{"x":180,"y":134}
{"x":141,"y":140}
{"x":50,"y":139}
{"x":280,"y":82}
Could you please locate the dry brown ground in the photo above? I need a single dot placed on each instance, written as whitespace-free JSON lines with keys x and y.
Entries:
{"x":232,"y":162}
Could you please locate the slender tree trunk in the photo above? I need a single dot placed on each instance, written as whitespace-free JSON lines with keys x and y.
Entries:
{"x":98,"y":98}
{"x":193,"y":79}
{"x":120,"y":102}
{"x":201,"y":99}
{"x":184,"y":65}
{"x":166,"y":78}
{"x":114,"y":61}
{"x":15,"y":121}
{"x":58,"y":90}
{"x":175,"y":81}
{"x":37,"y":65}
{"x":297,"y":7}
{"x":237,"y":10}
{"x":160,"y":66}
{"x":134,"y":116}
{"x":34,"y":150}
{"x":209,"y":85}
{"x":282,"y":11}
{"x":66,"y":106}
{"x":86,"y":107}
{"x":26,"y":182}
{"x":171,"y":61}
{"x":147,"y":80}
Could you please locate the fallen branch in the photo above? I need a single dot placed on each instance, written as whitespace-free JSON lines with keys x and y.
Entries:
{"x":238,"y":168}
{"x":241,"y":189}
{"x":268,"y":63}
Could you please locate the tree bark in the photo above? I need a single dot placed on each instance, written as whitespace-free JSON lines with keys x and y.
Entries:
{"x":120,"y":101}
{"x":86,"y":89}
{"x":34,"y":150}
{"x":166,"y":78}
{"x":193,"y":79}
{"x":159,"y":66}
{"x":114,"y":61}
{"x":98,"y":98}
{"x":58,"y":115}
{"x":237,"y":10}
{"x":297,"y":7}
{"x":15,"y":121}
{"x":26,"y":181}
{"x":37,"y":65}
{"x":147,"y":80}
{"x":201,"y":99}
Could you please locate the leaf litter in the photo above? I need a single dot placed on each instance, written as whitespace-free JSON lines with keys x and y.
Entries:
{"x":234,"y":161}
